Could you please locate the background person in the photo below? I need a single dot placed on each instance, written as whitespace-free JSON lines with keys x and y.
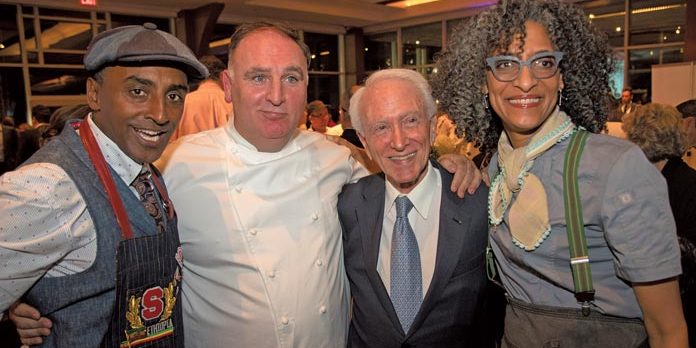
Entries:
{"x":524,"y":76}
{"x":657,"y":130}
{"x":626,"y":105}
{"x":206,"y":107}
{"x":688,"y":111}
{"x":30,"y":139}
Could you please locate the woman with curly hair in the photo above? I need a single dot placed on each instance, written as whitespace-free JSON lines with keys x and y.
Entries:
{"x":591,"y":265}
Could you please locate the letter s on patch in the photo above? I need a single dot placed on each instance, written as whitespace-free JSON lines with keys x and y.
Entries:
{"x":152,"y":303}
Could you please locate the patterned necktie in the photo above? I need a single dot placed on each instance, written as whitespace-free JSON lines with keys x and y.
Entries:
{"x":146,"y":191}
{"x":406,"y":286}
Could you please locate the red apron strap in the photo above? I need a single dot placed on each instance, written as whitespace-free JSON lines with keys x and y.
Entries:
{"x":102,"y":168}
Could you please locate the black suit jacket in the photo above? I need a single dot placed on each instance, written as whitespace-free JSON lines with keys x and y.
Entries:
{"x":451,"y":306}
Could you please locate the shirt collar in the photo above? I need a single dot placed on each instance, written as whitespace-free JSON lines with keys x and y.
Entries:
{"x":421,"y":196}
{"x":239,"y":139}
{"x":125,"y":167}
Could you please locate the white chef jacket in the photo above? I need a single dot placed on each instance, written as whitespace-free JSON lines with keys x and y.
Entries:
{"x":263,"y":254}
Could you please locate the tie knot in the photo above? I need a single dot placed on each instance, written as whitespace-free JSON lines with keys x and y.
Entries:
{"x":143,"y":177}
{"x":403,"y":206}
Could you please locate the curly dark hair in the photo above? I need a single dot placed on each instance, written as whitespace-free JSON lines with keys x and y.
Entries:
{"x":461,"y":76}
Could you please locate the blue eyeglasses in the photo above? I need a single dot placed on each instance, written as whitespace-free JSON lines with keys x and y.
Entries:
{"x":507,"y":68}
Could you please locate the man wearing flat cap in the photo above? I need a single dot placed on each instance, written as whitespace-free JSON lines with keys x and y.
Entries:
{"x":88,"y":235}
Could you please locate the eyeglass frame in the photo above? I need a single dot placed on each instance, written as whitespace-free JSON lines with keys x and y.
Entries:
{"x":490,"y":64}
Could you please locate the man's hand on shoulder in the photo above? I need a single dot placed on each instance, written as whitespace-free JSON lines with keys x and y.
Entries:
{"x":467,"y":177}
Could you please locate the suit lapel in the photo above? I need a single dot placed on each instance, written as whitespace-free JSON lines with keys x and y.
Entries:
{"x":453,"y":228}
{"x":370,"y":218}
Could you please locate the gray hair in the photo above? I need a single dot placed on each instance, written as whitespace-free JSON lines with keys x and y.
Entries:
{"x":410,"y":76}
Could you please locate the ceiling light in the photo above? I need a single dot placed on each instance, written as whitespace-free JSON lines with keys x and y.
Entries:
{"x":409,"y":3}
{"x":417,"y":42}
{"x":366,"y":49}
{"x":324,"y":53}
{"x":638,"y":11}
{"x":313,"y":56}
{"x":618,"y":29}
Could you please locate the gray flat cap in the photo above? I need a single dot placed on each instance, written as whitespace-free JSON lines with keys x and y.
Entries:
{"x":140,"y":45}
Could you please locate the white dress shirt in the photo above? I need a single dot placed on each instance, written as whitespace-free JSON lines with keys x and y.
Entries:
{"x":425,"y":222}
{"x":261,"y":239}
{"x":46,"y":229}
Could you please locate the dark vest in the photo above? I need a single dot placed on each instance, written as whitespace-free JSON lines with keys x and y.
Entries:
{"x":81,"y":305}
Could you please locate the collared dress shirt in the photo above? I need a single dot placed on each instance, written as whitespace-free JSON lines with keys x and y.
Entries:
{"x":262,"y":243}
{"x":629,"y":230}
{"x":425,"y":222}
{"x":204,"y":109}
{"x":46,"y":229}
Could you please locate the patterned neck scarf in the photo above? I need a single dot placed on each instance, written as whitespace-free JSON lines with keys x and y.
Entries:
{"x":521,"y":191}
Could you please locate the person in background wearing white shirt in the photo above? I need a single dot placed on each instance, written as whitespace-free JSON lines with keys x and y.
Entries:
{"x":78,"y":241}
{"x":256,"y":202}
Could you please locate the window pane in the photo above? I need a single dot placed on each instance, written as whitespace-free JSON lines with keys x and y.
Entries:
{"x":220,"y":39}
{"x":324,"y":88}
{"x":657,"y":21}
{"x":12,"y":101}
{"x":324,"y":49}
{"x":420,"y":43}
{"x":121,"y":20}
{"x":609,"y":18}
{"x":100,"y":27}
{"x":65,"y":35}
{"x":29,"y":34}
{"x":63,"y":13}
{"x":641,"y":63}
{"x":47,"y":81}
{"x":380,"y":51}
{"x":63,"y":58}
{"x":9,"y":35}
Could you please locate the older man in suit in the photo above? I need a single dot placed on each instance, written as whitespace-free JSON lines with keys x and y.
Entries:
{"x":414,"y":252}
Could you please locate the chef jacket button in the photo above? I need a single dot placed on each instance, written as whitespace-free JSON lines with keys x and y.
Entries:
{"x":322,"y":309}
{"x":285,"y":320}
{"x":238,"y":188}
{"x":254,"y":232}
{"x":315,"y":216}
{"x":271,"y":274}
{"x":319,"y":263}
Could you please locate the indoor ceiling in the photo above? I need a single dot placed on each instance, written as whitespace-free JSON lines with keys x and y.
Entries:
{"x":339,"y":14}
